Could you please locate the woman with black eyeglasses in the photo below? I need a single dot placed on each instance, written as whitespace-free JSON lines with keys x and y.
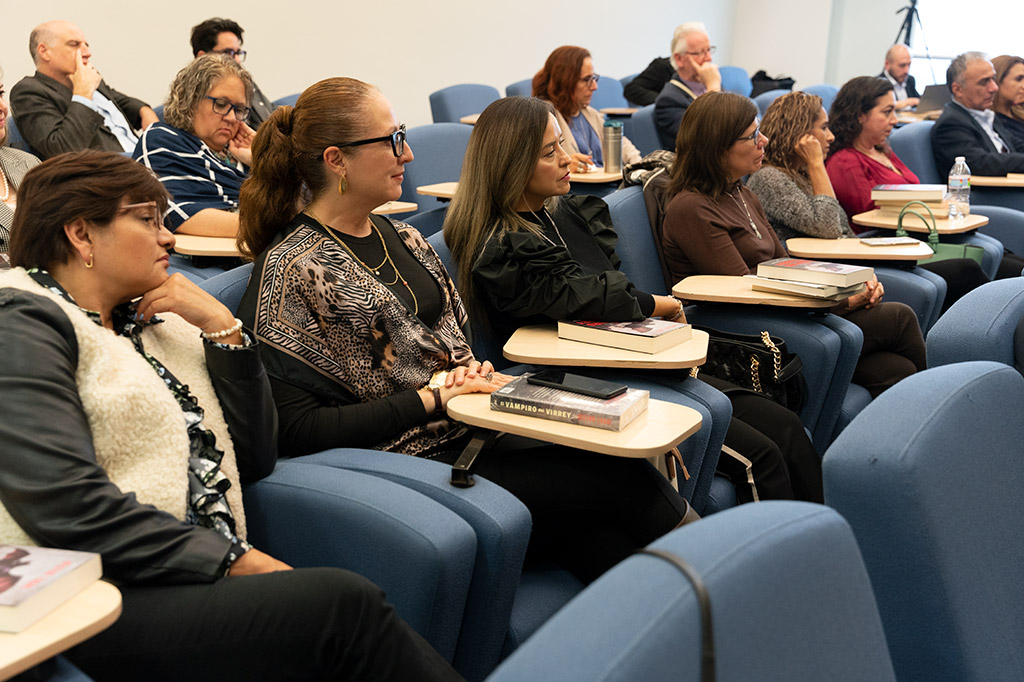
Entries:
{"x":361,"y":330}
{"x":568,"y":81}
{"x":201,"y":154}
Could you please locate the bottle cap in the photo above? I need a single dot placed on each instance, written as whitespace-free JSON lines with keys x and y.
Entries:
{"x":613,"y":124}
{"x":960,"y":159}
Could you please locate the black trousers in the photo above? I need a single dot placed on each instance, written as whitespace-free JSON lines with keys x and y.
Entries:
{"x":590,"y":511}
{"x":767,"y":454}
{"x":961,"y":275}
{"x":306,"y":624}
{"x":893,"y":346}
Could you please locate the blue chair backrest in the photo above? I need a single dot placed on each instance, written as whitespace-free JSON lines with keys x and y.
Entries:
{"x":642,"y":131}
{"x":608,"y":94}
{"x":287,"y":100}
{"x":1004,"y":224}
{"x":485,"y":346}
{"x":790,"y":602}
{"x":765,"y":99}
{"x":229,"y":286}
{"x":15,"y":139}
{"x":736,"y":79}
{"x":913,"y":145}
{"x":438,"y":149}
{"x":428,"y":222}
{"x":825,"y":91}
{"x":450,"y":104}
{"x":635,"y":248}
{"x":523,"y":88}
{"x":929,"y":477}
{"x":980,"y":326}
{"x":159,"y":110}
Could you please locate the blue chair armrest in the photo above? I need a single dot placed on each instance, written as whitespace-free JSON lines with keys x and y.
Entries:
{"x":420,"y":553}
{"x":502,"y":526}
{"x":980,"y":326}
{"x":921,"y":290}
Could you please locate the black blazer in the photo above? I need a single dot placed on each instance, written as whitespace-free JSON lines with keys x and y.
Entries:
{"x":956,"y":133}
{"x":644,"y":89}
{"x":911,"y":85}
{"x":52,"y":124}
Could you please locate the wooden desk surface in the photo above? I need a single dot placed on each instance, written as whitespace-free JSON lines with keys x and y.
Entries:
{"x":852,"y":248}
{"x":618,"y":111}
{"x":915,"y":116}
{"x":736,"y":289}
{"x":876,"y":218}
{"x":595,"y":177}
{"x":76,"y":620}
{"x":471,"y":119}
{"x":395,"y":207}
{"x":1011,"y":180}
{"x":540,"y":345}
{"x":196,"y":245}
{"x":663,"y":426}
{"x":441,"y":190}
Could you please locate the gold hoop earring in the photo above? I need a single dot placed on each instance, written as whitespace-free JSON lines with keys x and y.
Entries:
{"x":342,"y":185}
{"x":92,"y":259}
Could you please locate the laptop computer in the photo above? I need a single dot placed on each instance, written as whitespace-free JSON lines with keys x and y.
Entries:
{"x":934,"y":97}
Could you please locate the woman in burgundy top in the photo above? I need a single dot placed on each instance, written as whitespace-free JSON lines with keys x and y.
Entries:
{"x":714,"y":225}
{"x":862,"y":116}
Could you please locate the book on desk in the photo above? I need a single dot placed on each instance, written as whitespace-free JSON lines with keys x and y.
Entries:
{"x":521,"y":397}
{"x":809,"y":289}
{"x":650,"y":335}
{"x":815,"y":272}
{"x":905,"y":193}
{"x":36,"y":580}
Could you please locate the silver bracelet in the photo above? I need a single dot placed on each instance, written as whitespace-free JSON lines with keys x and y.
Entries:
{"x":679,"y":312}
{"x":224,"y":333}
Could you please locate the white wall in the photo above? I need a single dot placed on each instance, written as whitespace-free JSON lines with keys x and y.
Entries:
{"x":408,"y":48}
{"x":861,"y":32}
{"x":787,"y":37}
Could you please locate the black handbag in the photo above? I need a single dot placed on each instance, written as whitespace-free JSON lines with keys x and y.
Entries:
{"x":757,"y":363}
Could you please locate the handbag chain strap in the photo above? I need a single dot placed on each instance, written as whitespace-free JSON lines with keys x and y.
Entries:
{"x":755,"y":364}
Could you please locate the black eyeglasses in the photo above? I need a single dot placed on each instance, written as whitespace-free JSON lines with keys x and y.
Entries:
{"x":752,"y":137}
{"x":222,"y":106}
{"x":396,"y":138}
{"x":232,"y":53}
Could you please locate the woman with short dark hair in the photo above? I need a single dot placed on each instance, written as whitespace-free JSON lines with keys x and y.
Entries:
{"x":134,"y":407}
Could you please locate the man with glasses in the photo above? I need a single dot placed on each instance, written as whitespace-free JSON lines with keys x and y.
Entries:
{"x":66,"y":106}
{"x":694,"y":75}
{"x":224,"y":36}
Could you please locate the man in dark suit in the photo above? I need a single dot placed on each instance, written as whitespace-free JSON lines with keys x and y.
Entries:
{"x":968,"y":127}
{"x":66,"y":106}
{"x":695,"y":74}
{"x":897,"y":72}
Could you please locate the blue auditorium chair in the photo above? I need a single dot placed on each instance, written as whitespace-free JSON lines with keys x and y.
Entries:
{"x":438,"y":149}
{"x":736,"y":79}
{"x":608,"y":94}
{"x":523,"y":88}
{"x":186,"y":266}
{"x":983,"y":325}
{"x":15,"y":139}
{"x":826,"y":91}
{"x":790,"y":601}
{"x":1004,"y":224}
{"x":642,"y":131}
{"x":428,"y":222}
{"x":929,"y":477}
{"x":626,"y":80}
{"x":765,"y":99}
{"x":287,"y":100}
{"x":448,"y":105}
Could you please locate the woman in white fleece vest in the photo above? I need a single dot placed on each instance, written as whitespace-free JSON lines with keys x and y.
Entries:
{"x":134,"y":406}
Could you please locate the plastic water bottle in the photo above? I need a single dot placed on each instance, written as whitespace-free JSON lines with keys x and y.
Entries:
{"x":959,"y":192}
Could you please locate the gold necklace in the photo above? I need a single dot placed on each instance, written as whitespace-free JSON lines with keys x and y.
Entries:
{"x":375,"y":271}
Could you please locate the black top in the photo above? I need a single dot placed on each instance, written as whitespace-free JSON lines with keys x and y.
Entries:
{"x":644,"y":89}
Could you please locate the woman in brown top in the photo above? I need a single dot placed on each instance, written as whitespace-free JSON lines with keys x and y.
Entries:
{"x":714,"y":225}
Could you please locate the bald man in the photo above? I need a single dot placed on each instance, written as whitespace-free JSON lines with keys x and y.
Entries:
{"x":897,"y":72}
{"x":66,"y":106}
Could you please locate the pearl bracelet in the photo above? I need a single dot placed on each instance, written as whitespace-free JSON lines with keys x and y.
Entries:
{"x":222,"y":334}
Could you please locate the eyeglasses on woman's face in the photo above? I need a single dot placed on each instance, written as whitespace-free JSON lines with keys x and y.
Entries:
{"x":396,"y":138}
{"x":222,"y":106}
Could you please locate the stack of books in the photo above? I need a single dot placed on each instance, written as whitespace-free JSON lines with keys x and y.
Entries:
{"x":811,"y":278}
{"x":520,"y":397}
{"x":651,"y":335}
{"x":891,"y":199}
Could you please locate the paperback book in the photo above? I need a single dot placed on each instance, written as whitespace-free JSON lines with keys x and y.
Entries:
{"x":651,"y":335}
{"x":36,"y":580}
{"x":907,"y":193}
{"x":815,"y":271}
{"x":614,"y":414}
{"x":784,"y":286}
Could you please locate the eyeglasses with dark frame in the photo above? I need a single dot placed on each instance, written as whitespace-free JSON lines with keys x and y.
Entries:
{"x":396,"y":138}
{"x":221,"y":107}
{"x":232,"y":53}
{"x":753,"y":136}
